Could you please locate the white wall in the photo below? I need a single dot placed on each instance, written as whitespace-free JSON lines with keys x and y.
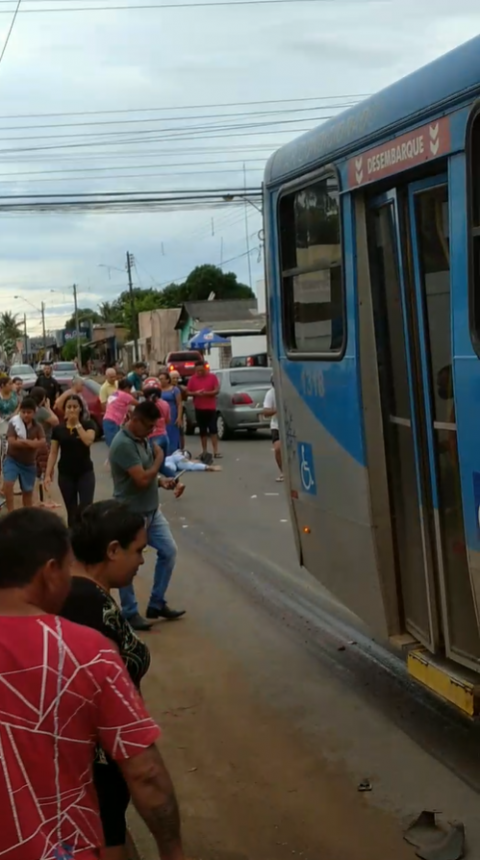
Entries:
{"x":248,"y":344}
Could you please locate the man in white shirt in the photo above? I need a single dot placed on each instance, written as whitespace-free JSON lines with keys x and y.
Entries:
{"x":270,"y":411}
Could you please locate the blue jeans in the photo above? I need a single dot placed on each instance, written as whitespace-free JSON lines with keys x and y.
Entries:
{"x":110,"y":430}
{"x":159,"y":537}
{"x":162,"y":442}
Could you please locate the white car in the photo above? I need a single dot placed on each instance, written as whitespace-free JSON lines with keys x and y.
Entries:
{"x":26,"y":373}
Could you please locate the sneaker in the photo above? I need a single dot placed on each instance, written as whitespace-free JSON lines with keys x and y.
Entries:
{"x":139,"y":623}
{"x":165,"y":612}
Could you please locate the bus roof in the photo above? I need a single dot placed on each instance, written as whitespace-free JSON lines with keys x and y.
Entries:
{"x":427,"y":91}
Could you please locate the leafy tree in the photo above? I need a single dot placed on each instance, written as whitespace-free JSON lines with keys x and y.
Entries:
{"x":203,"y":281}
{"x":144,"y":300}
{"x":9,"y":326}
{"x":84,"y":315}
{"x":200,"y":283}
{"x":109,"y":313}
{"x":10,"y":332}
{"x":69,"y":351}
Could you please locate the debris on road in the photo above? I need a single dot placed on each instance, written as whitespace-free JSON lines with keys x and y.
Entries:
{"x":365,"y":785}
{"x":436,"y":841}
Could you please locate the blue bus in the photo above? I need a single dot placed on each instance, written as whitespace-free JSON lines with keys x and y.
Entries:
{"x":372,"y":228}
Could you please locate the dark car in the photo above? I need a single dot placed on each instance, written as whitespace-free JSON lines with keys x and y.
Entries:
{"x":239,"y":403}
{"x":183,"y":362}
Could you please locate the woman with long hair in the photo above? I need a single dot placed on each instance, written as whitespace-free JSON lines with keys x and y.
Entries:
{"x":72,"y":439}
{"x":108,"y":541}
{"x":171,"y":395}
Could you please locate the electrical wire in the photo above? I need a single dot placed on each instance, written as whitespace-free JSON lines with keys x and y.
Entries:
{"x":149,"y":140}
{"x":142,"y":6}
{"x":10,"y":30}
{"x":184,"y":131}
{"x":126,"y":176}
{"x":238,"y":161}
{"x":357,"y":96}
{"x":219,"y":116}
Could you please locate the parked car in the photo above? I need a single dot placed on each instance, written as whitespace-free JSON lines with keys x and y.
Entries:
{"x":183,"y":362}
{"x":26,"y":373}
{"x":259,"y":359}
{"x":64,"y":371}
{"x":91,"y":391}
{"x":239,"y":403}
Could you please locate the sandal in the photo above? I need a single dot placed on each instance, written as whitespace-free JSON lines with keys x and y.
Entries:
{"x":218,"y":456}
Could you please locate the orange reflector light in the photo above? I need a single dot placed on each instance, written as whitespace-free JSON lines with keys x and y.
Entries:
{"x":306,"y":530}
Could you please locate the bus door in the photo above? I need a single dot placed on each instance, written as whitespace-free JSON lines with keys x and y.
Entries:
{"x":410,"y":267}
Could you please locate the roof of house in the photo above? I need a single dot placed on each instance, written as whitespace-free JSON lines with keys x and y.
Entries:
{"x":255,"y":325}
{"x":210,"y":313}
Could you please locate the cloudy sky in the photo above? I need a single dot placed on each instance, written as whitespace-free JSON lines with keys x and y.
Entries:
{"x":170,"y":99}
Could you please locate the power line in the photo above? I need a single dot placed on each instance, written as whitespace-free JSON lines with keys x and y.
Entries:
{"x":162,"y":5}
{"x":182,"y":107}
{"x":183,"y":131}
{"x":63,"y":170}
{"x":10,"y":30}
{"x":151,"y":140}
{"x":127,"y":176}
{"x":239,"y":193}
{"x":219,"y":116}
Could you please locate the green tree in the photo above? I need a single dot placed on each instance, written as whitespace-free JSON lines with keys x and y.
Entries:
{"x":10,"y":332}
{"x":9,"y":326}
{"x":84,"y":315}
{"x":109,"y":313}
{"x":201,"y":283}
{"x":144,"y":300}
{"x":69,"y":351}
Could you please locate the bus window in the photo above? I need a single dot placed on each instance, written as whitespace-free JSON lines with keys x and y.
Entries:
{"x":475,"y":226}
{"x":311,"y":260}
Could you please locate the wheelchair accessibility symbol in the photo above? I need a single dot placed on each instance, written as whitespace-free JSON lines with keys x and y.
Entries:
{"x":307,"y":468}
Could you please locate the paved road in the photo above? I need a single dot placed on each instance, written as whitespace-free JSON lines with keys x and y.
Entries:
{"x":275,"y":701}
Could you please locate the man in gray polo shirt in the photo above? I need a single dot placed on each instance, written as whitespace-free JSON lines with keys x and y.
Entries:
{"x":135,"y":464}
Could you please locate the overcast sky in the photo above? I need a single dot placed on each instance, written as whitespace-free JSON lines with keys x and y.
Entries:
{"x":176,"y":59}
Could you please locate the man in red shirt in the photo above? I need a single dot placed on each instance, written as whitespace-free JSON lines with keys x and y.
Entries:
{"x":63,"y":690}
{"x":204,"y":386}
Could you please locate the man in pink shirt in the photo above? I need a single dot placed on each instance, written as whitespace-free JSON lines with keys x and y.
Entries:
{"x":204,"y":386}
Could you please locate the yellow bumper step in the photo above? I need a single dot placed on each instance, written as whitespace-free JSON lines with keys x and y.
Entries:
{"x":453,"y":683}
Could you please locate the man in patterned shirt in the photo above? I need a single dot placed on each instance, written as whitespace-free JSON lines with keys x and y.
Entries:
{"x":63,"y":689}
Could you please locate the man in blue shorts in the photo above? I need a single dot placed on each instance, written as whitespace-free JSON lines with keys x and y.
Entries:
{"x":24,"y":437}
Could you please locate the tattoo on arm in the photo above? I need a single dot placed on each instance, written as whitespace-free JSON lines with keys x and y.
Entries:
{"x":163,"y":822}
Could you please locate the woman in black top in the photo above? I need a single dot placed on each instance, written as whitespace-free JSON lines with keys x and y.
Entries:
{"x":73,"y":438}
{"x":108,"y":541}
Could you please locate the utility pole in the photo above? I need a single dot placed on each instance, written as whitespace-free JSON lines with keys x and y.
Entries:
{"x":247,"y":239}
{"x":26,"y":337}
{"x":77,"y":326}
{"x":43,"y":330}
{"x":130,"y":261}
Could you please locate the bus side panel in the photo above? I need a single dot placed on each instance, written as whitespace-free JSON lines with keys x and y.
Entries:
{"x":466,"y":372}
{"x":322,"y":438}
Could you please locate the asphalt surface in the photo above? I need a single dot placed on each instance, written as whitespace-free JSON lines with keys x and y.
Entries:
{"x":332,"y":693}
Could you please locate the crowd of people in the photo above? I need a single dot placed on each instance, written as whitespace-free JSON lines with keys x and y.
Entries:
{"x":76,"y":740}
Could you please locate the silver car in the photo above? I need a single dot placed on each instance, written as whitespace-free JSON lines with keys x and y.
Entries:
{"x":239,"y":403}
{"x":26,"y":373}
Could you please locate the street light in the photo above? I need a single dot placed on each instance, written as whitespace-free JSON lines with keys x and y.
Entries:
{"x":41,"y":310}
